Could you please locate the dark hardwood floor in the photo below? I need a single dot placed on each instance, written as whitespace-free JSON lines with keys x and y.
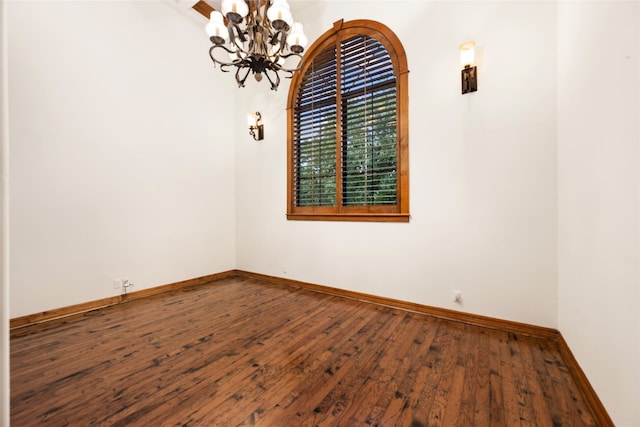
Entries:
{"x":248,"y":352}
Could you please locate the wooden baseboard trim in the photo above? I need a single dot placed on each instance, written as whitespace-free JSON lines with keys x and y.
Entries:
{"x":443,"y":313}
{"x":589,"y":394}
{"x":59,"y":313}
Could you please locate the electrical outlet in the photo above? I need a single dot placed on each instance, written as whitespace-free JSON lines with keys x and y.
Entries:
{"x":284,"y":269}
{"x":457,"y":297}
{"x":117,"y":283}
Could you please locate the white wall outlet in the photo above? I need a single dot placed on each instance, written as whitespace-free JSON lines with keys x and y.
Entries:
{"x":284,"y":269}
{"x":117,"y":283}
{"x":457,"y":297}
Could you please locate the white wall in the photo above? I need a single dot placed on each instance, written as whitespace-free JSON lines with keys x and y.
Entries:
{"x":122,"y":160}
{"x":482,"y":168}
{"x":599,"y":197}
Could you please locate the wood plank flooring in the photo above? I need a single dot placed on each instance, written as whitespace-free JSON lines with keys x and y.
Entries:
{"x":243,"y":352}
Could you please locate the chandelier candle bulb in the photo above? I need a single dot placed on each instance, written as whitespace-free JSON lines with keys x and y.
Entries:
{"x":234,"y":10}
{"x":218,"y":33}
{"x":279,"y":15}
{"x":297,"y":40}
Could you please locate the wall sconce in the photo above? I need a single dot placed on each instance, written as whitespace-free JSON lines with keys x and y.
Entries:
{"x":469,"y":73}
{"x":256,"y":130}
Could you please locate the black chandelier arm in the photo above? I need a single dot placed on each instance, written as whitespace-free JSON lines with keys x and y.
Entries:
{"x":242,"y":36}
{"x":235,"y":32}
{"x":289,"y":74}
{"x":283,"y":41}
{"x":235,"y":63}
{"x":243,"y":79}
{"x":274,"y":85}
{"x":289,"y":70}
{"x":273,"y":40}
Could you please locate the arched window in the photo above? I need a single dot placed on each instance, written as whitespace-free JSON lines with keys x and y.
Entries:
{"x":347,"y":113}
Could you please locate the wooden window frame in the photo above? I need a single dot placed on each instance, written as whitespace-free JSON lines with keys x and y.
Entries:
{"x":381,"y":213}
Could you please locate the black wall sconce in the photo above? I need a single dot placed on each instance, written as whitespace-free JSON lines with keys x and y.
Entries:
{"x":256,"y":130}
{"x":469,"y":74}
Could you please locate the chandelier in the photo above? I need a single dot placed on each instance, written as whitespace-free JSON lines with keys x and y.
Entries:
{"x":259,"y":37}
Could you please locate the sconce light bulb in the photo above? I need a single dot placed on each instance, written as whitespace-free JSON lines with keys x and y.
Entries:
{"x":467,"y":54}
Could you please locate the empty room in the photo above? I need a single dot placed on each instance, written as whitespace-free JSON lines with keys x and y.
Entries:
{"x":320,"y":212}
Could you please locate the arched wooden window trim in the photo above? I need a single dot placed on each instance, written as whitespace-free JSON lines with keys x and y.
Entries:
{"x":398,"y":212}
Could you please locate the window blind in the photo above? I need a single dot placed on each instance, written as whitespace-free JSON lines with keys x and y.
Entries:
{"x":314,"y":133}
{"x":368,"y":119}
